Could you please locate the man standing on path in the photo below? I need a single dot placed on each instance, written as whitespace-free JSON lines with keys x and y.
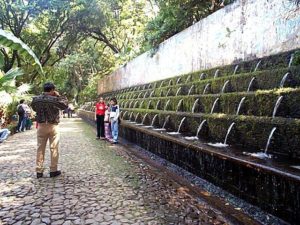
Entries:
{"x":47,"y":107}
{"x":99,"y":118}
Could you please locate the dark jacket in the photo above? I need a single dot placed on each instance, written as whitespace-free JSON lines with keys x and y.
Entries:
{"x":47,"y":108}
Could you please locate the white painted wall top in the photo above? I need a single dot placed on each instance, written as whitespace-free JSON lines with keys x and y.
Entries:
{"x":244,"y":30}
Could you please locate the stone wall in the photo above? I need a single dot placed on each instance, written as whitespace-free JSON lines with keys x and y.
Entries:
{"x":244,"y":30}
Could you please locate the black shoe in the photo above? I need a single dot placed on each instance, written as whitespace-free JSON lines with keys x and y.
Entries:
{"x":39,"y":175}
{"x":55,"y":174}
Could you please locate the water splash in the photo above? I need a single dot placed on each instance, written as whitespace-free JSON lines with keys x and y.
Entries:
{"x":167,"y":104}
{"x":195,"y":104}
{"x":178,"y":91}
{"x":291,"y":60}
{"x":284,"y":79}
{"x":179,"y":105}
{"x":223,"y":145}
{"x":269,"y":139}
{"x":205,"y":88}
{"x":235,"y":69}
{"x":179,"y":128}
{"x":250,"y":84}
{"x":277,"y":104}
{"x":240,"y":105}
{"x":224,"y":86}
{"x":257,"y":65}
{"x":216,"y":73}
{"x":214,"y":105}
{"x":191,"y":89}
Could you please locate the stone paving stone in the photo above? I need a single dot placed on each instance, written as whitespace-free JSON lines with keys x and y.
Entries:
{"x":99,"y":185}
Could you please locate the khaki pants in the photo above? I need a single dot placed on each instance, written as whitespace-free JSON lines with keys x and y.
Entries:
{"x":47,"y":131}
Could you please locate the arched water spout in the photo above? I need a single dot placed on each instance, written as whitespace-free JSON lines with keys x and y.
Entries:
{"x":269,"y":139}
{"x":179,"y":105}
{"x":191,"y":89}
{"x":284,"y":79}
{"x":151,"y":94}
{"x":240,"y":105}
{"x":146,"y":93}
{"x":123,"y":116}
{"x":141,"y":104}
{"x":149,"y":104}
{"x":140,"y":94}
{"x":250,"y":84}
{"x":178,"y":80}
{"x":200,"y":127}
{"x":136,"y":117}
{"x":178,"y":91}
{"x":136,"y":104}
{"x":224,"y":86}
{"x":205,"y":88}
{"x":228,"y":132}
{"x":195,"y":104}
{"x":188,"y":79}
{"x":214,"y":105}
{"x":161,"y":84}
{"x":167,"y":104}
{"x":235,"y":69}
{"x":157,"y":104}
{"x":180,"y":125}
{"x":130,"y":116}
{"x":277,"y":106}
{"x":166,"y":121}
{"x":202,"y":76}
{"x":130,"y":104}
{"x":144,"y":118}
{"x":153,"y":120}
{"x":216,"y":73}
{"x":257,"y":65}
{"x":170,"y":83}
{"x":168,"y":92}
{"x":291,"y":60}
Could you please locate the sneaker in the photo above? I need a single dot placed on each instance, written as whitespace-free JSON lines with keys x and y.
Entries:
{"x":55,"y":174}
{"x":39,"y":175}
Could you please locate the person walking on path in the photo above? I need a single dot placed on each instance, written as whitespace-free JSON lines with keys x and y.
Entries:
{"x":99,"y":118}
{"x":114,"y":118}
{"x":22,"y":110}
{"x":47,"y":107}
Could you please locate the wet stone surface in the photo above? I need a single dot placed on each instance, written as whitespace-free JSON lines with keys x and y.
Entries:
{"x":99,"y":185}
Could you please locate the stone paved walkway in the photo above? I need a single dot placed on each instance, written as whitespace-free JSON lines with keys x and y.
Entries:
{"x":99,"y":185}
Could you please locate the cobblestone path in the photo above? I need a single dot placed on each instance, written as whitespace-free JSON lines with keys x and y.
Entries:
{"x":99,"y":185}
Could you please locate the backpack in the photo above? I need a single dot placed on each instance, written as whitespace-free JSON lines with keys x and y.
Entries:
{"x":20,"y":110}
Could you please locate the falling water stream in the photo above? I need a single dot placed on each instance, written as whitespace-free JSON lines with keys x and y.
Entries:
{"x":250,"y":84}
{"x":190,"y":90}
{"x":284,"y":79}
{"x":178,"y":91}
{"x":257,"y":65}
{"x":240,"y":105}
{"x":291,"y":60}
{"x":277,"y":106}
{"x":195,"y":104}
{"x":223,"y":145}
{"x":216,"y":73}
{"x":235,"y":69}
{"x":179,"y":105}
{"x":214,"y":105}
{"x":224,"y":86}
{"x":205,"y":88}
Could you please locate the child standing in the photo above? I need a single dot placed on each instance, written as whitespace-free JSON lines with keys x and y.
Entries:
{"x":99,"y":118}
{"x":114,"y":117}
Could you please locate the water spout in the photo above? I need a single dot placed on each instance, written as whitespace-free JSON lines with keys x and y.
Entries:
{"x":291,"y":60}
{"x":235,"y":69}
{"x":277,"y":106}
{"x":195,"y":104}
{"x":161,"y":84}
{"x":157,"y":104}
{"x":178,"y":91}
{"x":205,"y":88}
{"x":145,"y":95}
{"x":214,"y":105}
{"x":149,"y":104}
{"x":167,"y":104}
{"x":151,"y":94}
{"x":123,"y":116}
{"x":180,"y":125}
{"x":153,"y":120}
{"x":284,"y":79}
{"x":139,"y":96}
{"x":168,"y":92}
{"x":170,"y":83}
{"x":250,"y":84}
{"x":191,"y":89}
{"x":240,"y":105}
{"x":136,"y":117}
{"x":257,"y":65}
{"x":179,"y":105}
{"x":135,"y":104}
{"x":141,"y":104}
{"x":228,"y":132}
{"x":144,"y":118}
{"x":216,"y":73}
{"x":178,"y":80}
{"x":130,"y":116}
{"x":269,"y":139}
{"x":224,"y":86}
{"x":200,"y":127}
{"x":166,"y":121}
{"x":202,"y":76}
{"x":188,"y":79}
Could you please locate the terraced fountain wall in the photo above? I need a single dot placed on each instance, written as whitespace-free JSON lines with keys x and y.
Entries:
{"x":243,"y":30}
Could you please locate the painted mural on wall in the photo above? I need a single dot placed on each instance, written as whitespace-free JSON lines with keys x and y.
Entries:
{"x":243,"y":30}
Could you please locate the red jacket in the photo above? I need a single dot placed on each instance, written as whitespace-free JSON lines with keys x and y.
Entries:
{"x":100,"y":108}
